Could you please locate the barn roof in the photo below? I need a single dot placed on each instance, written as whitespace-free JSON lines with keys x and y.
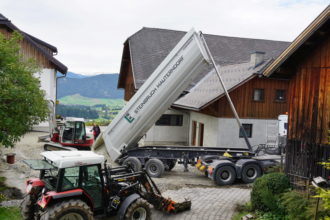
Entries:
{"x":148,"y":47}
{"x":37,"y":43}
{"x":209,"y":88}
{"x":313,"y":34}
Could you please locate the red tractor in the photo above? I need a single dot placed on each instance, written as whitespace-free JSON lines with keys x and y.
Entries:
{"x":79,"y":185}
{"x":70,"y":133}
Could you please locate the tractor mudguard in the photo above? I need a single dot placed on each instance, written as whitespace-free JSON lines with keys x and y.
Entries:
{"x":125,"y":204}
{"x":35,"y":182}
{"x":243,"y":162}
{"x":47,"y":198}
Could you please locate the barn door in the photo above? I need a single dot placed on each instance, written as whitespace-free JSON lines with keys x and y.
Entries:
{"x":200,"y":134}
{"x":193,"y":133}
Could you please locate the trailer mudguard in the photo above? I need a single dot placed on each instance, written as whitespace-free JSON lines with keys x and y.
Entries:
{"x":125,"y":204}
{"x":243,"y":162}
{"x":186,"y":61}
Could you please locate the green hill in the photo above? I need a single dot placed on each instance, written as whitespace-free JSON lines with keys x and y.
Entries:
{"x":81,"y":100}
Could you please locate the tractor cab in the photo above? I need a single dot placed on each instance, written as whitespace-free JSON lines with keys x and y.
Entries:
{"x":69,"y":173}
{"x":72,"y":133}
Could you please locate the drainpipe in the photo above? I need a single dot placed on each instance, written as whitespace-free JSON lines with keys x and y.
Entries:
{"x":56,"y":89}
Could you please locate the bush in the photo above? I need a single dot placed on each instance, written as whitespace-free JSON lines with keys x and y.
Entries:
{"x":266,"y":190}
{"x":272,"y":216}
{"x":296,"y":205}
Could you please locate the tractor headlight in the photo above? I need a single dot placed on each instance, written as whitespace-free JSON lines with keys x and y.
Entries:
{"x":28,"y":188}
{"x":44,"y":190}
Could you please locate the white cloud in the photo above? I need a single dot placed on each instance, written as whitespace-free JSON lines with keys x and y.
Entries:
{"x":90,"y":34}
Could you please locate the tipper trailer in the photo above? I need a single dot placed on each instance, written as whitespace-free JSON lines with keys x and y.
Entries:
{"x":187,"y":60}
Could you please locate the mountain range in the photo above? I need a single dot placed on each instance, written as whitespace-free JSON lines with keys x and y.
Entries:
{"x":96,"y":86}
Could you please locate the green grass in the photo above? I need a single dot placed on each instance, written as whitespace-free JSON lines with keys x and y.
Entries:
{"x":238,"y":216}
{"x":10,"y":213}
{"x":81,"y":100}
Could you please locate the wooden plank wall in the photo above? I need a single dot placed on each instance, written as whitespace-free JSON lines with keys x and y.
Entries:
{"x":309,"y":97}
{"x":129,"y":83}
{"x":303,"y":160}
{"x":28,"y":51}
{"x":242,"y":98}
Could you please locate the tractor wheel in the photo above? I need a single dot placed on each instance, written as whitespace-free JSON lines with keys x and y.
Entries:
{"x":250,"y":173}
{"x":67,"y":210}
{"x":225,"y":175}
{"x":171,"y":165}
{"x":134,"y":162}
{"x":27,"y":207}
{"x":155,"y":167}
{"x":139,"y":209}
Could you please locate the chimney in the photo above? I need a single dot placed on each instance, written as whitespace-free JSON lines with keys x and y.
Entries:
{"x":257,"y":58}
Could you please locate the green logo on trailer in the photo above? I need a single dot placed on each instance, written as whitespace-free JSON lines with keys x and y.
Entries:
{"x":129,"y":118}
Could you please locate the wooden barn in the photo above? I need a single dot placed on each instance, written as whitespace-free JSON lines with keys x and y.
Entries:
{"x":43,"y":53}
{"x":306,"y":63}
{"x":201,"y":116}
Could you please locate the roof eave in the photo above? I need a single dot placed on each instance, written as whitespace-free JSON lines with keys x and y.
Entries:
{"x":185,"y":107}
{"x":58,"y":65}
{"x":302,"y":38}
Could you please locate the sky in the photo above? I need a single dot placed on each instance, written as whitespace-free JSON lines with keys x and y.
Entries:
{"x":89,"y":34}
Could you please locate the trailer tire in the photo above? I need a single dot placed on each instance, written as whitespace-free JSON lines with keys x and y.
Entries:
{"x":155,"y":167}
{"x":134,"y":162}
{"x":68,"y":209}
{"x":225,"y":175}
{"x":250,"y":173}
{"x":139,"y":209}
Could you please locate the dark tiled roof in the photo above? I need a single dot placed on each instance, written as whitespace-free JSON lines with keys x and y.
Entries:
{"x":3,"y":18}
{"x":37,"y":43}
{"x":149,"y":46}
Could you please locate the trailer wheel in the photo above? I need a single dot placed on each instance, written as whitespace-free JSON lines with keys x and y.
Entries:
{"x":134,"y":162}
{"x":250,"y":173}
{"x":70,"y":209}
{"x":225,"y":175}
{"x":139,"y":209}
{"x":155,"y":167}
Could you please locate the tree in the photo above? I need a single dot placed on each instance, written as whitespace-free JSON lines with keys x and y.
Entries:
{"x":22,"y":102}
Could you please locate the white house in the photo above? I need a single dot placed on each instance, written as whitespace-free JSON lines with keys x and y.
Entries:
{"x":43,"y":53}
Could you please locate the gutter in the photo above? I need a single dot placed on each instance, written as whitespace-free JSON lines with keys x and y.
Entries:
{"x":64,"y":75}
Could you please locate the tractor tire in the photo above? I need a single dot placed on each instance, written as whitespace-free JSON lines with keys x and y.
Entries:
{"x":67,"y":210}
{"x":139,"y":209}
{"x":250,"y":173}
{"x":27,"y":207}
{"x":134,"y":162}
{"x":225,"y":175}
{"x":155,"y":167}
{"x":170,"y":164}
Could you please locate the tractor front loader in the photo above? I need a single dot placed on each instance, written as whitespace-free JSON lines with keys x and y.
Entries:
{"x":79,"y":185}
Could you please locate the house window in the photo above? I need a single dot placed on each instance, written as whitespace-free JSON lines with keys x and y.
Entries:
{"x":248,"y":130}
{"x":170,"y":120}
{"x":280,"y":95}
{"x":258,"y":95}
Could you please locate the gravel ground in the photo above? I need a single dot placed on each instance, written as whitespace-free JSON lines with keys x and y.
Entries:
{"x":27,"y":148}
{"x":208,"y":200}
